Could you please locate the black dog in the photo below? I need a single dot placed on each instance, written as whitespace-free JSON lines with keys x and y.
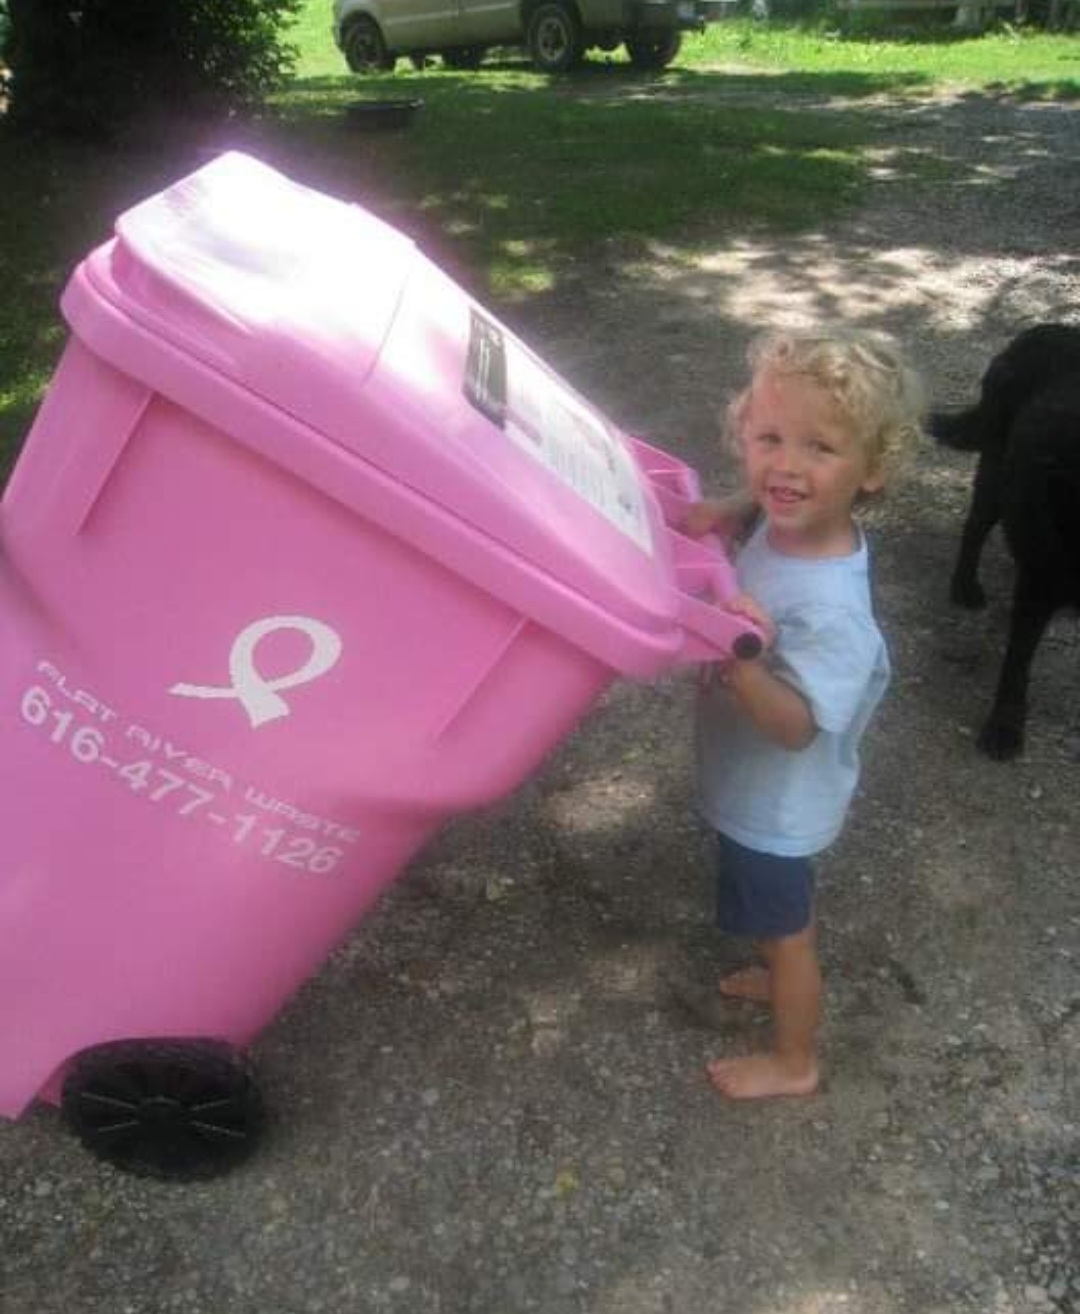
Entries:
{"x":1026,"y":427}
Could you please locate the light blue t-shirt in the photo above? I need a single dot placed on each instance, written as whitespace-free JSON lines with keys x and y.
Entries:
{"x":828,"y":646}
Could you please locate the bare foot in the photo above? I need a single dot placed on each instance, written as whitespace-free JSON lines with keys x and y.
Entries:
{"x":761,"y":1076}
{"x":747,"y":983}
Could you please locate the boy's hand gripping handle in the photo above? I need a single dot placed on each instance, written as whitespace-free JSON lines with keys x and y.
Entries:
{"x":707,"y":584}
{"x":704,"y":575}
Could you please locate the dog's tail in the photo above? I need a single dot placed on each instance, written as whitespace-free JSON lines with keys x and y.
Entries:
{"x":964,"y":430}
{"x":1035,"y":360}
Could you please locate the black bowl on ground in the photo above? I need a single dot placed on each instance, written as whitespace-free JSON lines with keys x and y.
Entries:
{"x":381,"y":114}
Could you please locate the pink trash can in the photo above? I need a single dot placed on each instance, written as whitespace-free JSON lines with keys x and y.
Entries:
{"x":304,"y":554}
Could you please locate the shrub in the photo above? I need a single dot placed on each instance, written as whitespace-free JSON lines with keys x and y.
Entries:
{"x":87,"y":65}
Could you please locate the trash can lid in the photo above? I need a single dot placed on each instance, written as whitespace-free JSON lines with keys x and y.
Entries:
{"x":323,"y":310}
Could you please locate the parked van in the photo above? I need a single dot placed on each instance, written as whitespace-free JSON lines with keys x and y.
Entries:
{"x":372,"y":34}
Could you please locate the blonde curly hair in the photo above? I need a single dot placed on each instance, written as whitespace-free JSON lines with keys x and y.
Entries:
{"x":866,"y":377}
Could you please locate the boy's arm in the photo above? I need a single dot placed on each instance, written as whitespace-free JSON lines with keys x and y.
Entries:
{"x":776,"y":708}
{"x":724,"y":516}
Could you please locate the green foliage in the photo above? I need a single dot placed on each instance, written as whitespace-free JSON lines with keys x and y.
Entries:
{"x":86,"y":66}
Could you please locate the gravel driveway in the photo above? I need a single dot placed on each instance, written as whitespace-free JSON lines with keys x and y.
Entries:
{"x":492,"y":1100}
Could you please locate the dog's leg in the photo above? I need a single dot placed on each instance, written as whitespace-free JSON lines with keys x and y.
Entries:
{"x":1002,"y":736}
{"x":984,"y":513}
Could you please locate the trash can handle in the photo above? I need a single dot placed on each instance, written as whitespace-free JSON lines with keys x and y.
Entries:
{"x":706,"y":582}
{"x":674,"y":483}
{"x":704,"y":575}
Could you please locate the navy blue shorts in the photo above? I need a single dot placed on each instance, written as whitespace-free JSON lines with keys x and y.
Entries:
{"x":761,"y":894}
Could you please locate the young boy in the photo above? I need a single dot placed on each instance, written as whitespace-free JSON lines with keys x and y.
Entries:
{"x":826,"y":420}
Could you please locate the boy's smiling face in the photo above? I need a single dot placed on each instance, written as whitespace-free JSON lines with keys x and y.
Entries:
{"x":804,"y":465}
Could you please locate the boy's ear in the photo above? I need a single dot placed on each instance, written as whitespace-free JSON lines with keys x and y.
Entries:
{"x":874,"y":481}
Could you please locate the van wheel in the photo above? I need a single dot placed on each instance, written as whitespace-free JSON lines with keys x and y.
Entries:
{"x":176,"y":1109}
{"x":653,"y":52}
{"x":464,"y":58}
{"x":554,"y":38}
{"x":364,"y":47}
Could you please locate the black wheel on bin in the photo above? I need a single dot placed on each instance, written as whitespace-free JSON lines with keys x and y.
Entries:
{"x":176,"y":1109}
{"x":364,"y":46}
{"x":653,"y":51}
{"x":553,"y":37}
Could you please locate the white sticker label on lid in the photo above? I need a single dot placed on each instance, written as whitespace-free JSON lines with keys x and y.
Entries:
{"x":544,"y":419}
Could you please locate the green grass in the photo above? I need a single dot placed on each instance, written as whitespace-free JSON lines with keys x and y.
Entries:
{"x":522,"y":175}
{"x":319,"y":57}
{"x":525,"y":178}
{"x":513,"y":181}
{"x":1024,"y":61}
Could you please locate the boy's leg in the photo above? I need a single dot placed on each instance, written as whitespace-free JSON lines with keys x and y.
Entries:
{"x":791,"y":1067}
{"x":749,"y":982}
{"x":762,"y":895}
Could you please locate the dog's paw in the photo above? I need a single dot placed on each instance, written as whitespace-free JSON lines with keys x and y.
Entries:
{"x":967,"y":593}
{"x":1001,"y":738}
